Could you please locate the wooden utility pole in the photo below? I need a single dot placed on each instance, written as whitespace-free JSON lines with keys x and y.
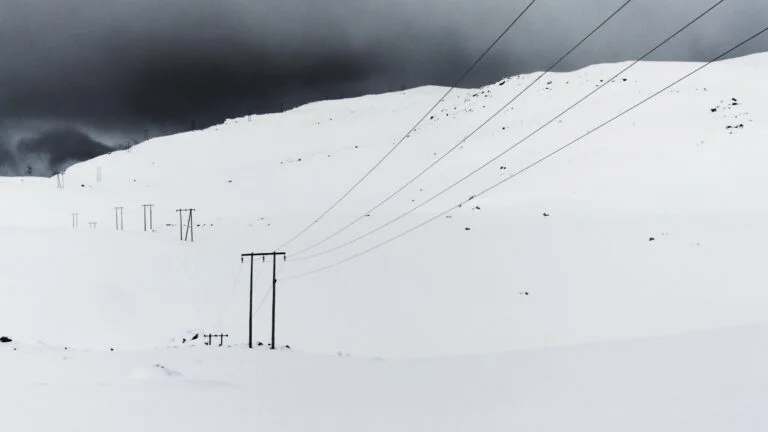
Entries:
{"x":209,"y":337}
{"x":221,"y":338}
{"x":263,"y":256}
{"x":189,"y":233}
{"x":190,"y":227}
{"x":148,"y":206}
{"x":181,"y":225}
{"x":75,"y":220}
{"x":119,"y":219}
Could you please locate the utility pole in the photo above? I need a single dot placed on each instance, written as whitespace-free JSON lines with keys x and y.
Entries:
{"x":119,"y":221}
{"x":189,"y":233}
{"x":190,"y":226}
{"x":148,"y":206}
{"x":221,"y":338}
{"x":263,"y":256}
{"x":209,"y":337}
{"x":75,"y":220}
{"x":181,"y":226}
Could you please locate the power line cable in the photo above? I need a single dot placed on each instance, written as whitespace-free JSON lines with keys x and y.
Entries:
{"x":515,"y":145}
{"x":234,"y":287}
{"x":532,"y":165}
{"x":231,"y":293}
{"x":411,"y":130}
{"x":280,"y":269}
{"x":263,"y":299}
{"x":470,"y":135}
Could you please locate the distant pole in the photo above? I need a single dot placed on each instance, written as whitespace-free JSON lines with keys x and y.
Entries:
{"x":189,"y":232}
{"x":145,"y":208}
{"x":274,"y":291}
{"x":75,"y":220}
{"x":221,"y":338}
{"x":191,"y":226}
{"x":250,"y":310}
{"x":119,"y":219}
{"x":181,"y":226}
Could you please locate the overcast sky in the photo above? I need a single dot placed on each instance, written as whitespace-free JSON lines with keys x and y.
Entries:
{"x":113,"y":68}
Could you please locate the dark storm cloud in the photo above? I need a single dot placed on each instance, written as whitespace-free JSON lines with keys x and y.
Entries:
{"x":62,"y":147}
{"x":48,"y":152}
{"x":7,"y":158}
{"x":120,"y":66}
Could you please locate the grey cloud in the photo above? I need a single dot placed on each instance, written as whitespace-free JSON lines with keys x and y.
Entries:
{"x":51,"y":151}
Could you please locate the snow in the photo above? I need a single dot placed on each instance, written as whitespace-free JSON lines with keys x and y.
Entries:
{"x":576,"y":320}
{"x":708,"y":381}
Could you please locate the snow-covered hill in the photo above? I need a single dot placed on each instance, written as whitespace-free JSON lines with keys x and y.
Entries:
{"x":653,"y":226}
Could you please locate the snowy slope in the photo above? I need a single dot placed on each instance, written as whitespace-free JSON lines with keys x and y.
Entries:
{"x":709,"y":381}
{"x":656,"y":226}
{"x":671,"y":170}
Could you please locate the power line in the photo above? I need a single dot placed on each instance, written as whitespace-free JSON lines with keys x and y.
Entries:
{"x":261,"y":303}
{"x":537,"y":162}
{"x":266,"y":294}
{"x":515,"y":145}
{"x":470,"y":135}
{"x":412,"y":129}
{"x":234,"y":287}
{"x":255,"y":279}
